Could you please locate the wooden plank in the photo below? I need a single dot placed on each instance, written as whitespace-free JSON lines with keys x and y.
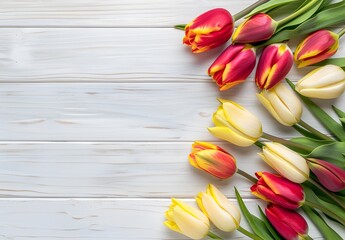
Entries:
{"x":123,"y":112}
{"x":104,"y":55}
{"x":107,"y":13}
{"x":85,"y":219}
{"x":111,"y":170}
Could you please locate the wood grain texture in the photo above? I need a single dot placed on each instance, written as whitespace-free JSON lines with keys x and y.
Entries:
{"x":105,"y":55}
{"x":107,"y":13}
{"x":84,"y":219}
{"x":112,"y":170}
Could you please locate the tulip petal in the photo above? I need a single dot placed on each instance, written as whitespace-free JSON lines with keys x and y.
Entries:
{"x":267,"y":104}
{"x":230,"y":136}
{"x":190,"y":210}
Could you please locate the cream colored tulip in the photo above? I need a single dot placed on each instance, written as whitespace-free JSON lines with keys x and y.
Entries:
{"x":286,"y":162}
{"x":282,"y":103}
{"x":325,"y":82}
{"x":187,"y":220}
{"x":235,"y":124}
{"x":219,"y":209}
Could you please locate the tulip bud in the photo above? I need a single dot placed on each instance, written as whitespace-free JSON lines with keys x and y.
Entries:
{"x":222,"y":213}
{"x":286,"y":162}
{"x":278,"y":190}
{"x":282,"y":103}
{"x":318,"y":46}
{"x":212,"y":159}
{"x":329,"y":175}
{"x":288,"y":223}
{"x":257,"y":28}
{"x":274,"y":64}
{"x":209,"y":30}
{"x":228,"y":69}
{"x":235,"y":124}
{"x":187,"y":220}
{"x":325,"y":82}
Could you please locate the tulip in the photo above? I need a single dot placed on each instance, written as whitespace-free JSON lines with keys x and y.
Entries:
{"x":257,"y":28}
{"x":278,"y":190}
{"x":318,"y":46}
{"x":212,"y":159}
{"x":286,"y":162}
{"x":288,"y":223}
{"x":329,"y":175}
{"x":209,"y":30}
{"x":235,"y":124}
{"x":325,"y":82}
{"x":222,"y":213}
{"x":274,"y":64}
{"x":187,"y":220}
{"x":282,"y":103}
{"x":229,"y":69}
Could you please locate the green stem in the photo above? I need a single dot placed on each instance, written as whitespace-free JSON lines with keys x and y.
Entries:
{"x":180,"y":26}
{"x":248,"y":9}
{"x":246,"y":175}
{"x":259,"y":144}
{"x":247,"y":233}
{"x":297,"y":13}
{"x":329,"y":194}
{"x":341,"y":33}
{"x":213,"y":236}
{"x":325,"y":211}
{"x":286,"y":142}
{"x":308,"y":237}
{"x":314,"y":131}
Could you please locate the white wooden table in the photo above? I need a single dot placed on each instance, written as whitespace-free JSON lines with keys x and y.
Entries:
{"x":99,"y":105}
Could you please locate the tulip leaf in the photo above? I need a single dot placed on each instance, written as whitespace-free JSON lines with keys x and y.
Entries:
{"x":263,"y":8}
{"x":326,"y":231}
{"x":269,"y":226}
{"x":335,"y":128}
{"x":340,"y":114}
{"x":304,"y":132}
{"x":334,"y":61}
{"x":332,"y":152}
{"x":309,"y":143}
{"x":257,"y":225}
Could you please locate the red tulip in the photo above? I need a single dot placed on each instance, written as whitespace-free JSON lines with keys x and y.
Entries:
{"x":212,"y":159}
{"x":288,"y":223}
{"x":278,"y":190}
{"x":318,"y":46}
{"x":274,"y":64}
{"x":233,"y":66}
{"x":257,"y":28}
{"x":329,"y":175}
{"x":209,"y":30}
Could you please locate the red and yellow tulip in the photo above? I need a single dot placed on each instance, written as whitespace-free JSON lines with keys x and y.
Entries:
{"x":318,"y":46}
{"x":278,"y":190}
{"x":274,"y":64}
{"x":209,"y":30}
{"x":229,"y":69}
{"x":212,"y":159}
{"x":288,"y":223}
{"x":257,"y":28}
{"x":329,"y":175}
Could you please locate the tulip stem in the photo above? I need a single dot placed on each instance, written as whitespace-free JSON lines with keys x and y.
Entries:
{"x":246,"y":175}
{"x":247,"y":233}
{"x":247,"y":10}
{"x":341,"y":33}
{"x":299,"y":12}
{"x":259,"y":144}
{"x":213,"y":236}
{"x":325,"y":211}
{"x":286,"y":142}
{"x":314,"y":131}
{"x":329,"y":194}
{"x":180,"y":26}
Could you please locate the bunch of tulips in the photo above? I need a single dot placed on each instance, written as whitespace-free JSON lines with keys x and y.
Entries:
{"x":309,"y":170}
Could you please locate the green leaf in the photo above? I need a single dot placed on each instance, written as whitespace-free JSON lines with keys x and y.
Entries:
{"x":269,"y":226}
{"x":334,"y":61}
{"x":335,"y":128}
{"x":333,"y":153}
{"x":269,"y":6}
{"x":254,"y":223}
{"x":340,"y":114}
{"x":304,"y":132}
{"x":326,"y":231}
{"x":314,"y":143}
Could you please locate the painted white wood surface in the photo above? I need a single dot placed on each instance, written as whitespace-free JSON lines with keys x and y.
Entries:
{"x":99,"y":105}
